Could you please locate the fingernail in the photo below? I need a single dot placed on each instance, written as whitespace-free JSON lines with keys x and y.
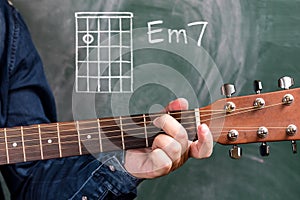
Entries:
{"x":203,"y":128}
{"x":159,"y":121}
{"x":184,"y":103}
{"x":178,"y":104}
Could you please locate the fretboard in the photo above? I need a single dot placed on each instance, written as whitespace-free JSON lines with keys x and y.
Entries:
{"x":57,"y":140}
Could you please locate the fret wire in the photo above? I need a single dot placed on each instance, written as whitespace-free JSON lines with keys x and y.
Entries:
{"x":103,"y":120}
{"x":115,"y":131}
{"x":141,"y":123}
{"x":32,"y":158}
{"x":100,"y":137}
{"x":106,"y":138}
{"x":111,"y":137}
{"x":135,"y":117}
{"x":58,"y":137}
{"x":62,"y":124}
{"x":6,"y":146}
{"x":190,"y":128}
{"x":40,"y":137}
{"x":79,"y":143}
{"x":145,"y":131}
{"x":141,"y":128}
{"x":212,"y":115}
{"x":24,"y":154}
{"x":67,"y":130}
{"x":65,"y":143}
{"x":122,"y":134}
{"x":248,"y":127}
{"x":47,"y":144}
{"x":64,"y":149}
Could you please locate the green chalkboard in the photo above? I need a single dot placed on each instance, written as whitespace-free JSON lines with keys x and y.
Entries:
{"x":244,"y":40}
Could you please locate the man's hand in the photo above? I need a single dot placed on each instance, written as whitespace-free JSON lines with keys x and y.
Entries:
{"x":169,"y":151}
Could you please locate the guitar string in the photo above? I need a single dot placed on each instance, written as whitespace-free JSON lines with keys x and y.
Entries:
{"x":118,"y":131}
{"x":51,"y":125}
{"x":131,"y":136}
{"x":107,"y":119}
{"x":45,"y":150}
{"x":54,"y":125}
{"x":114,"y":131}
{"x":97,"y":133}
{"x":141,"y":134}
{"x":74,"y":142}
{"x":242,"y":112}
{"x":52,"y":151}
{"x":94,"y":127}
{"x":44,"y":126}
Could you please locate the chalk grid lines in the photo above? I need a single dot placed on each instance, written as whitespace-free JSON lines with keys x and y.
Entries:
{"x":104,"y":59}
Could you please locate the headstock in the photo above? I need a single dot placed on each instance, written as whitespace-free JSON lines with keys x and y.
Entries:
{"x":262,"y":117}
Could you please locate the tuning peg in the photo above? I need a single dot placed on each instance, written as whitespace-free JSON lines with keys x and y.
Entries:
{"x":257,"y":86}
{"x":227,"y":89}
{"x":235,"y":152}
{"x":294,"y":146}
{"x":285,"y":82}
{"x":264,"y":149}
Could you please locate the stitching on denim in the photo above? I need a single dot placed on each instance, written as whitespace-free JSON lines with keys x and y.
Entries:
{"x":102,"y":197}
{"x":92,"y":174}
{"x":15,"y":37}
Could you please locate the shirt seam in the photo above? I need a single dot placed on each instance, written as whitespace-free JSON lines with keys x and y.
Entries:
{"x":83,"y":185}
{"x":15,"y":37}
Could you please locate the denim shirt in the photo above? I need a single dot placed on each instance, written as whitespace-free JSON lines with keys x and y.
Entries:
{"x":25,"y":98}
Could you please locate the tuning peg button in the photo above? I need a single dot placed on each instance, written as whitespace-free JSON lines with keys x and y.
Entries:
{"x":264,"y":149}
{"x":285,"y":82}
{"x":228,"y":89}
{"x":235,"y":152}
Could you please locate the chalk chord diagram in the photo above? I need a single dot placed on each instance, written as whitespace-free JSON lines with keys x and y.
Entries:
{"x":104,"y":60}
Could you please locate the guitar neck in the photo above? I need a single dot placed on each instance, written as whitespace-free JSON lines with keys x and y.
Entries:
{"x":276,"y":120}
{"x":57,"y":140}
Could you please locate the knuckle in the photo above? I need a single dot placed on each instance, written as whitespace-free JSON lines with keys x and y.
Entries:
{"x":181,"y":133}
{"x":158,"y":139}
{"x":175,"y":149}
{"x":207,"y":153}
{"x":162,"y":170}
{"x":160,"y":121}
{"x":161,"y":163}
{"x":166,"y":168}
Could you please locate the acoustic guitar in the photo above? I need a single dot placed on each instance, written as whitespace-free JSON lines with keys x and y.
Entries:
{"x":267,"y":117}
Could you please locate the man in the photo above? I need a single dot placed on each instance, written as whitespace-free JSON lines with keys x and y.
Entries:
{"x":26,"y":99}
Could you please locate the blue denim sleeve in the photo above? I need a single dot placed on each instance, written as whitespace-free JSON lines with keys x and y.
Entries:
{"x":25,"y":98}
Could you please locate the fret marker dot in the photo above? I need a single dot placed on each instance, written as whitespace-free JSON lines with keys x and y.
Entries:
{"x":14,"y":144}
{"x":49,"y":141}
{"x":88,"y":136}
